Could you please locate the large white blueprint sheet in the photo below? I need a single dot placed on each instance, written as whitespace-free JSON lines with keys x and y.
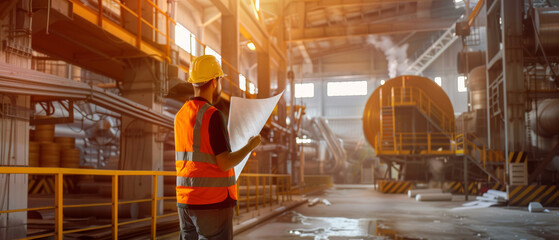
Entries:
{"x":247,"y":117}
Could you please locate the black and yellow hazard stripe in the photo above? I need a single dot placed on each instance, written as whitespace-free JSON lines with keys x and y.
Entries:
{"x":394,"y":186}
{"x":455,"y":187}
{"x":458,"y":187}
{"x":496,"y":186}
{"x":517,"y":157}
{"x":547,"y":195}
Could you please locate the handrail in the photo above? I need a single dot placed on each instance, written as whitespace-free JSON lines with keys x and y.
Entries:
{"x":423,"y":143}
{"x":164,"y":31}
{"x":276,"y":189}
{"x":416,"y":96}
{"x":266,"y":182}
{"x":58,"y":207}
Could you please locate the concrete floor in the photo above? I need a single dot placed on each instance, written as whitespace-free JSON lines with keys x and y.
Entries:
{"x":362,"y":213}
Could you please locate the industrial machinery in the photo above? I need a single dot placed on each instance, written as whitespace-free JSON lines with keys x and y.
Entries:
{"x":513,"y":107}
{"x":409,"y":121}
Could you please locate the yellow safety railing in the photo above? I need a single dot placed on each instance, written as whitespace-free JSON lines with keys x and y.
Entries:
{"x":105,"y":13}
{"x":415,"y":96}
{"x":313,"y":183}
{"x":435,"y":143}
{"x":106,"y":8}
{"x":59,"y":206}
{"x":468,"y":146}
{"x":467,"y":143}
{"x":255,"y":189}
{"x":261,"y":189}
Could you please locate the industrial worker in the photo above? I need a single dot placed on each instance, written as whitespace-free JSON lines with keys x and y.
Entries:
{"x":206,"y":184}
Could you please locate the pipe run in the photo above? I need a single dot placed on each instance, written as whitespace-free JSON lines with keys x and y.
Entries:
{"x":20,"y":81}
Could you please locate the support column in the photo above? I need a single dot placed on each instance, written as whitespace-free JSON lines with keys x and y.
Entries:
{"x":281,"y":163}
{"x":141,"y":142}
{"x":14,"y":151}
{"x":230,"y":47}
{"x":292,"y":169}
{"x":466,"y":184}
{"x":14,"y":120}
{"x":514,"y":96}
{"x":263,"y":68}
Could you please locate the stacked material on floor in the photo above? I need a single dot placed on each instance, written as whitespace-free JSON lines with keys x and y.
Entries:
{"x":490,"y":198}
{"x":433,"y":197}
{"x":493,"y":196}
{"x":414,"y":192}
{"x":431,"y":194}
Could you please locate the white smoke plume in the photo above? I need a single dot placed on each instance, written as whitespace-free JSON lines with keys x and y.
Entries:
{"x":395,"y":55}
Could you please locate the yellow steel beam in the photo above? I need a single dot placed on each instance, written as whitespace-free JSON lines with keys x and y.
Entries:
{"x":135,"y":201}
{"x":80,"y":171}
{"x":58,"y":207}
{"x":26,"y":209}
{"x":87,"y":229}
{"x":114,"y":217}
{"x":154,"y":208}
{"x":41,"y":236}
{"x":475,"y":12}
{"x":114,"y":29}
{"x":134,"y":221}
{"x":88,"y":205}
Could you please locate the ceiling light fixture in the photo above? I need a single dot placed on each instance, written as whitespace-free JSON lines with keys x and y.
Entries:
{"x":251,"y":46}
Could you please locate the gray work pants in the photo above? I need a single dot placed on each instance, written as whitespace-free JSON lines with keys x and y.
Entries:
{"x":206,"y":224}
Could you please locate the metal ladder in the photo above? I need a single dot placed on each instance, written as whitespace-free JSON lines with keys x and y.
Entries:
{"x":388,"y":137}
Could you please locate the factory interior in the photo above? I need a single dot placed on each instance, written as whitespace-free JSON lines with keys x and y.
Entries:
{"x":457,"y":100}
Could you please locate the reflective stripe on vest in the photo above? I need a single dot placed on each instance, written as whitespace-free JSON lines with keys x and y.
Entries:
{"x":198,"y":128}
{"x":206,"y":181}
{"x":195,"y":157}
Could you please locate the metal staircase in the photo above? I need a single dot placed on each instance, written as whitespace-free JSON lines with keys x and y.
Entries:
{"x":388,"y":131}
{"x":473,"y":148}
{"x":433,"y":52}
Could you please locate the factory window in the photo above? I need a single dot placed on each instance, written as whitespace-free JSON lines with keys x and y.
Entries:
{"x":354,"y":88}
{"x":242,"y":82}
{"x":304,"y":90}
{"x":210,"y":51}
{"x":462,"y":84}
{"x":252,"y":89}
{"x":439,"y":81}
{"x":185,"y":39}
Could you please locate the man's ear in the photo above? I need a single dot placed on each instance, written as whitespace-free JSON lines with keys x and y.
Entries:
{"x":214,"y":82}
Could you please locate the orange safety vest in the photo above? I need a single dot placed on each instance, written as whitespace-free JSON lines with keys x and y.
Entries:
{"x":199,"y":180}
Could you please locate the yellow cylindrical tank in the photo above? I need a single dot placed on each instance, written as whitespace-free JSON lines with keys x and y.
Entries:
{"x":382,"y":97}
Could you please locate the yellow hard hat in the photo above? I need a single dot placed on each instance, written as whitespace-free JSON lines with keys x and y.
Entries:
{"x":204,"y":68}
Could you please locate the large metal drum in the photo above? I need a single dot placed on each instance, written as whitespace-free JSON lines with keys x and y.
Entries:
{"x":371,"y":114}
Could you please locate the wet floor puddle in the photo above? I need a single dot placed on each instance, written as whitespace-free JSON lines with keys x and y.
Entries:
{"x":333,"y":228}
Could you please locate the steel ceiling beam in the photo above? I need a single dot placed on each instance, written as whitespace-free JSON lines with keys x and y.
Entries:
{"x":344,"y":31}
{"x":222,"y":7}
{"x":350,"y":3}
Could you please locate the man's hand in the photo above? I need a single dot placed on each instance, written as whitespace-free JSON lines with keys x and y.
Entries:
{"x":228,"y":160}
{"x":253,"y":142}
